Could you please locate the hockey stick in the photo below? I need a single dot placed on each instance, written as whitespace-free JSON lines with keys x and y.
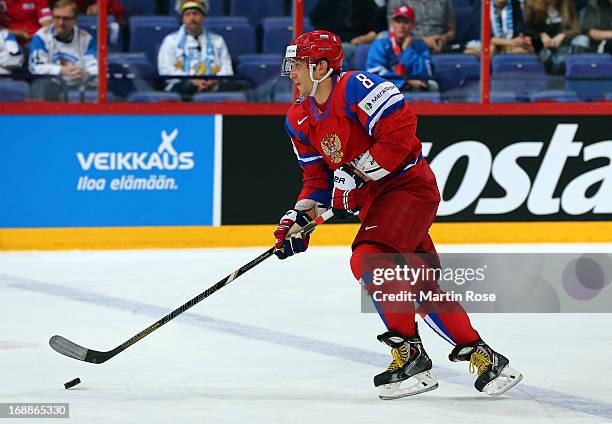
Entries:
{"x":67,"y":348}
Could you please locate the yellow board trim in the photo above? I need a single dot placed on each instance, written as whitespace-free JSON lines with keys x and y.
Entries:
{"x":261,"y":235}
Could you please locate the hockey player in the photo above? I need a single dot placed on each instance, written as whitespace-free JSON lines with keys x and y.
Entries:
{"x":357,"y":126}
{"x":11,"y":55}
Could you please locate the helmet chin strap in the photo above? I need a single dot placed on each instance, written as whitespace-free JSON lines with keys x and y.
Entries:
{"x":315,"y":83}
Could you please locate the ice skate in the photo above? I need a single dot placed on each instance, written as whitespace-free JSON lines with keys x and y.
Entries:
{"x":495,"y":376}
{"x":410,"y":371}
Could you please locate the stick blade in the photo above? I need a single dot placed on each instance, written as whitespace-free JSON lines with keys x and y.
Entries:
{"x":67,"y":348}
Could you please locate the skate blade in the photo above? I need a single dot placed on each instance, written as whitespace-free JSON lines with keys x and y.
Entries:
{"x":508,"y":378}
{"x":425,"y":383}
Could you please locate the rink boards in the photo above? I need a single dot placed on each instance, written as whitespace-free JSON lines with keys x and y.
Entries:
{"x":121,"y":181}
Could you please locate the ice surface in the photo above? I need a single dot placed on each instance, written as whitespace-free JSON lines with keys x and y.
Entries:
{"x":284,"y":343}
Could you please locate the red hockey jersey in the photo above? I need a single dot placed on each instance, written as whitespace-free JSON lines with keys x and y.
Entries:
{"x":363,"y":112}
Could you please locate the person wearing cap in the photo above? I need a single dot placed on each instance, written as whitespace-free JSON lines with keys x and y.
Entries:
{"x":192,"y":50}
{"x":434,"y":19}
{"x":397,"y":55}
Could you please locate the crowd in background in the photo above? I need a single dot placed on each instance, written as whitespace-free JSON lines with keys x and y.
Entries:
{"x":42,"y":35}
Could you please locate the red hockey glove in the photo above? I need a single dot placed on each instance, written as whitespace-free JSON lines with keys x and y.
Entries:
{"x":289,"y":241}
{"x":347,"y":198}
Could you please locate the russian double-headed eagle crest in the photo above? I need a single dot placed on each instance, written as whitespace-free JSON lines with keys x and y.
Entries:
{"x":332,"y":147}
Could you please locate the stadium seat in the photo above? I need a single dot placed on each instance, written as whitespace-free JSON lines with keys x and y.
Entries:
{"x":518,"y":60}
{"x":283,"y":97}
{"x":589,"y":80}
{"x":360,"y":57}
{"x":524,"y":85}
{"x":554,"y":96}
{"x":422,"y":97}
{"x":130,"y":75}
{"x":494,"y":97}
{"x":239,"y":37}
{"x":608,"y":96}
{"x":89,"y":96}
{"x":148,"y":32}
{"x":520,"y":69}
{"x":219,"y":97}
{"x":259,"y":68}
{"x":154,"y":96}
{"x":278,"y":33}
{"x":139,"y":7}
{"x":455,"y":71}
{"x":257,"y":10}
{"x":588,"y":58}
{"x":13,"y":91}
{"x":115,"y":33}
{"x":462,"y":3}
{"x":225,"y":20}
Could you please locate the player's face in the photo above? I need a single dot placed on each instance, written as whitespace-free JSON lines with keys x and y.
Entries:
{"x":64,"y":20}
{"x":193,"y":20}
{"x":300,"y":75}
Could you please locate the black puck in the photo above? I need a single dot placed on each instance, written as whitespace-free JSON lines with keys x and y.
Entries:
{"x":72,"y":383}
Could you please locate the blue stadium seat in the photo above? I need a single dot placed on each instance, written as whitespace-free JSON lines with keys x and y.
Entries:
{"x":462,"y":3}
{"x":495,"y":97}
{"x":239,"y":37}
{"x":259,"y":68}
{"x":154,"y":96}
{"x":433,"y":97}
{"x":608,"y":96}
{"x":219,"y":97}
{"x":467,"y":19}
{"x":129,"y":73}
{"x":589,"y":80}
{"x":588,"y":58}
{"x":455,"y":71}
{"x":137,"y":57}
{"x":520,"y":69}
{"x":555,"y":96}
{"x":148,"y":32}
{"x":524,"y":85}
{"x":283,"y":97}
{"x":139,"y":7}
{"x":89,"y":96}
{"x":518,"y":60}
{"x":13,"y":91}
{"x":278,"y":33}
{"x":257,"y":10}
{"x":115,"y":33}
{"x":226,"y":20}
{"x":360,"y":57}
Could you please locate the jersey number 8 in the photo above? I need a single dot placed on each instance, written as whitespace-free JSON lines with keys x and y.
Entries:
{"x":367,"y":83}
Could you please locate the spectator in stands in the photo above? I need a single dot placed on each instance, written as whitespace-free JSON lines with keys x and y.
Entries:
{"x":555,"y":31}
{"x":11,"y":55}
{"x":507,"y":30}
{"x":63,"y":51}
{"x":597,"y":24}
{"x":354,"y":21}
{"x":435,"y":21}
{"x":400,"y":57}
{"x":194,"y":51}
{"x":24,"y":17}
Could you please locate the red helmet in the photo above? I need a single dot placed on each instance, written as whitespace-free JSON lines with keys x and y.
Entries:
{"x":314,"y":46}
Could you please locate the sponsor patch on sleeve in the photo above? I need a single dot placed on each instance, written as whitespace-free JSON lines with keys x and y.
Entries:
{"x":377,"y":97}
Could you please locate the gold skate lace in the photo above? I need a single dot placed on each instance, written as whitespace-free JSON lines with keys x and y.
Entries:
{"x":479,"y":361}
{"x":400,"y":355}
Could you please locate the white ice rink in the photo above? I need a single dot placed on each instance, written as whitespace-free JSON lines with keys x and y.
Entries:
{"x":285,"y":343}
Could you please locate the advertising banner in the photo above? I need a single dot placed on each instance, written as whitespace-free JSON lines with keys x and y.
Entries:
{"x":488,"y":168}
{"x":97,"y":171}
